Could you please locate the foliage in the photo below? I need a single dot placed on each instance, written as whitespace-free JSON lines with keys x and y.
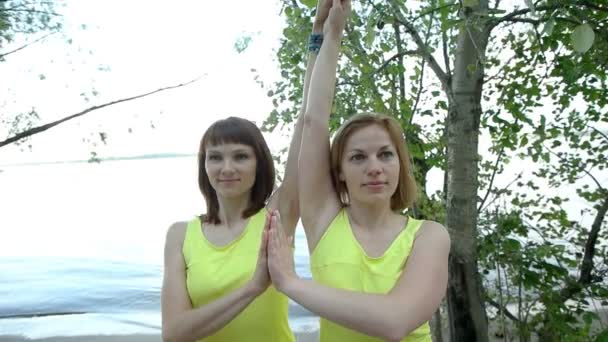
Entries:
{"x":544,"y":98}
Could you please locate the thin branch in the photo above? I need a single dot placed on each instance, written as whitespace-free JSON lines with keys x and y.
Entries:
{"x":433,"y":10}
{"x":504,"y":309}
{"x":479,"y":52}
{"x":599,"y":132}
{"x":424,"y":50}
{"x":587,"y":262}
{"x":534,"y":22}
{"x":512,"y":16}
{"x":419,"y":92}
{"x":564,"y":160}
{"x":500,"y":153}
{"x":401,"y":76}
{"x":45,"y":127}
{"x":13,"y":9}
{"x":496,"y":4}
{"x":446,"y":58}
{"x":422,"y":65}
{"x":26,"y":45}
{"x":503,"y":189}
{"x":396,"y":56}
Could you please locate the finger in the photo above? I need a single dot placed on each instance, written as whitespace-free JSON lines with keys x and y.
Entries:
{"x":276,"y":237}
{"x":262,"y":251}
{"x":267,"y":222}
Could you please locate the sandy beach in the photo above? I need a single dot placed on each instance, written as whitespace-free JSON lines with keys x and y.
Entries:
{"x":300,"y":337}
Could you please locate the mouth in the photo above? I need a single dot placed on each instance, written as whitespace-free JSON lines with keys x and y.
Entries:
{"x":228,"y":180}
{"x":375,"y":184}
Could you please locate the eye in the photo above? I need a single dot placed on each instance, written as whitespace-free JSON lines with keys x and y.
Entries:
{"x":241,"y":156}
{"x":357,"y":157}
{"x":214,"y":157}
{"x":386,"y":154}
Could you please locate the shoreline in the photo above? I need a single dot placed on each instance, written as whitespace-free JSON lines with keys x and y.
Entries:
{"x":300,"y":337}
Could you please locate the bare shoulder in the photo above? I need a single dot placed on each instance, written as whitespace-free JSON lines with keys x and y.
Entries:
{"x":176,"y":234}
{"x":433,"y":233}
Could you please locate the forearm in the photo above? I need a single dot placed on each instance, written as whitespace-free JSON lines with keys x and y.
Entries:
{"x":323,"y":79}
{"x":373,"y":314}
{"x":206,"y":320}
{"x":289,"y":189}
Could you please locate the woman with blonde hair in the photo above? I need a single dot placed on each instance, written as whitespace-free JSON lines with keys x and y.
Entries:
{"x":378,"y":275}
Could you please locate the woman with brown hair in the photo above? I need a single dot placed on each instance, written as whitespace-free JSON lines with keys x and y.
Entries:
{"x":216,"y":281}
{"x":378,"y":275}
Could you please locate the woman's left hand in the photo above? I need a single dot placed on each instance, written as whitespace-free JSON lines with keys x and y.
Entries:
{"x":280,"y":255}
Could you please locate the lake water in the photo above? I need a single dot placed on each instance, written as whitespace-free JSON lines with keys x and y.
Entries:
{"x":81,"y":245}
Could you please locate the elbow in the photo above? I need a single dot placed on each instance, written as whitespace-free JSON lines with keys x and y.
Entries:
{"x":168,"y":337}
{"x":397,"y":329}
{"x":394,"y":333}
{"x":169,"y":334}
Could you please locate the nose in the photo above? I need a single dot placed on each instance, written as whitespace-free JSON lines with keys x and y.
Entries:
{"x":227,"y":167}
{"x":374,"y":168}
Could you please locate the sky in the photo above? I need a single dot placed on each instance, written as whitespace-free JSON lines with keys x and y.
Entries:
{"x":136,"y":46}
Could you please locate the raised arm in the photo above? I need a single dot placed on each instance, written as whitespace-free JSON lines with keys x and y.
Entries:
{"x":318,"y":200}
{"x":392,"y":316}
{"x":287,"y":199}
{"x":180,"y":322}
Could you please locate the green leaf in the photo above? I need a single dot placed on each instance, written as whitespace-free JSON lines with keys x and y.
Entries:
{"x":523,"y":141}
{"x":309,"y":3}
{"x":531,"y":6}
{"x":548,"y":28}
{"x":470,"y":3}
{"x":370,"y":36}
{"x":582,"y":38}
{"x":602,"y":337}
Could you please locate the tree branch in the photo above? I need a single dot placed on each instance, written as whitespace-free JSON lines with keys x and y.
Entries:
{"x":599,"y":132}
{"x":26,"y":45}
{"x":483,"y":201}
{"x":512,"y":16}
{"x":433,"y":10}
{"x":396,"y":56}
{"x":587,"y":263}
{"x":45,"y":127}
{"x":505,"y":310}
{"x":424,"y":50}
{"x":503,"y":189}
{"x":564,"y":160}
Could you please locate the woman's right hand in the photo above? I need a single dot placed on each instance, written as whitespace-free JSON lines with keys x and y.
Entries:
{"x":336,"y":20}
{"x":261,"y":278}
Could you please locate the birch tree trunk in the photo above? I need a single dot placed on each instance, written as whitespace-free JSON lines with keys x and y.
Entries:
{"x":468,"y":321}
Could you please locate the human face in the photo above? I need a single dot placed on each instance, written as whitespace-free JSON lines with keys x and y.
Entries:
{"x":370,"y":166}
{"x":231,"y":169}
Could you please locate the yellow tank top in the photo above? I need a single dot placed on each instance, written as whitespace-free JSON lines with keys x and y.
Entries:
{"x":212,"y":272}
{"x":339,"y":261}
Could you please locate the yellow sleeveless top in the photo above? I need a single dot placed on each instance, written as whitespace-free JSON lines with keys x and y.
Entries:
{"x":213,"y":271}
{"x":339,"y":261}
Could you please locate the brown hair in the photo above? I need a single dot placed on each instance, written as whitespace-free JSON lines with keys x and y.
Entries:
{"x":405,"y":194}
{"x":236,"y":131}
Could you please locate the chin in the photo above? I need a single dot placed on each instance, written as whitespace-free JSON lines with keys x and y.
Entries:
{"x":231,"y":193}
{"x":374,"y":199}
